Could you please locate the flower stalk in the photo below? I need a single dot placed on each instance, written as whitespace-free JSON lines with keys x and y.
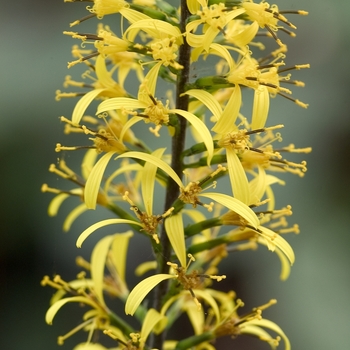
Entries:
{"x":215,"y":183}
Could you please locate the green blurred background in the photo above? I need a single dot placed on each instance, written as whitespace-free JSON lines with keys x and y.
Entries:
{"x":313,"y":304}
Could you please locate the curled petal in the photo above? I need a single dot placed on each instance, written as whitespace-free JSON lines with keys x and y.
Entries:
{"x":140,"y":291}
{"x":100,"y":224}
{"x":93,"y":182}
{"x":273,"y":326}
{"x":175,"y":230}
{"x":260,"y":107}
{"x":257,"y":186}
{"x":120,"y":103}
{"x":77,"y":211}
{"x":52,"y":311}
{"x":226,"y":123}
{"x":274,"y":240}
{"x":83,"y":104}
{"x":89,"y":346}
{"x":56,"y":202}
{"x":151,"y":79}
{"x":127,"y":126}
{"x":148,"y":180}
{"x":235,"y":205}
{"x":208,"y":100}
{"x":201,"y":129}
{"x":119,"y":251}
{"x":98,"y":262}
{"x":150,"y":321}
{"x":88,"y":162}
{"x":156,"y":161}
{"x":238,"y":177}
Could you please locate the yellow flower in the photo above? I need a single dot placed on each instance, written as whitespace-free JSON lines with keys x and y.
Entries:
{"x":166,"y":39}
{"x":267,"y":16}
{"x":191,"y":192}
{"x":104,"y":86}
{"x":214,"y":18}
{"x":154,"y":110}
{"x":102,"y":8}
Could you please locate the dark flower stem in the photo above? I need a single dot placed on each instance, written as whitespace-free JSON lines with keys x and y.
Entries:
{"x":172,"y":193}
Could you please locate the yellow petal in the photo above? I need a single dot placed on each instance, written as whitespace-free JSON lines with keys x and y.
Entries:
{"x":151,"y":82}
{"x":234,"y":205}
{"x":228,"y":118}
{"x":103,"y":76}
{"x":88,"y":162}
{"x":132,"y":121}
{"x":156,"y":161}
{"x":222,"y":51}
{"x":89,"y":346}
{"x":75,"y":284}
{"x":275,"y":240}
{"x":260,"y":107}
{"x":140,"y":291}
{"x":119,"y":252}
{"x":122,"y":169}
{"x":208,"y":100}
{"x":196,"y":317}
{"x":148,"y":181}
{"x":145,"y":267}
{"x":52,"y":311}
{"x":202,"y":130}
{"x":150,"y":321}
{"x":193,"y":6}
{"x":120,"y":103}
{"x":56,"y":203}
{"x":238,"y":177}
{"x":155,"y":28}
{"x":133,"y":15}
{"x":285,"y":265}
{"x":273,"y":326}
{"x":93,"y":182}
{"x":83,"y":104}
{"x":98,"y":262}
{"x":77,"y":211}
{"x":258,"y":333}
{"x":100,"y":224}
{"x":209,"y":300}
{"x":257,"y":186}
{"x":175,"y":230}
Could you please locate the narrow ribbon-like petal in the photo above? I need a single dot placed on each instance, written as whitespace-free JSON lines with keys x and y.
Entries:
{"x":77,"y":211}
{"x":260,"y":107}
{"x":83,"y":104}
{"x":140,"y":291}
{"x":100,"y":224}
{"x":228,"y":118}
{"x":151,"y":319}
{"x":52,"y":311}
{"x":202,"y":130}
{"x":275,"y":240}
{"x":175,"y":230}
{"x":148,"y":181}
{"x":156,"y":161}
{"x":234,"y":205}
{"x":98,"y":262}
{"x":238,"y":177}
{"x":92,"y":186}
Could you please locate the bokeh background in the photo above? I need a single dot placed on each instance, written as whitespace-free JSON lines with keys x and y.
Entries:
{"x":313,"y":304}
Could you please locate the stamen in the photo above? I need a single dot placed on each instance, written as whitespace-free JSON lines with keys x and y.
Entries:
{"x":78,"y":21}
{"x":80,"y":261}
{"x":62,"y":338}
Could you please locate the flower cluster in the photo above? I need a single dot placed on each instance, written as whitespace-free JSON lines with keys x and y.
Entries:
{"x":184,"y":71}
